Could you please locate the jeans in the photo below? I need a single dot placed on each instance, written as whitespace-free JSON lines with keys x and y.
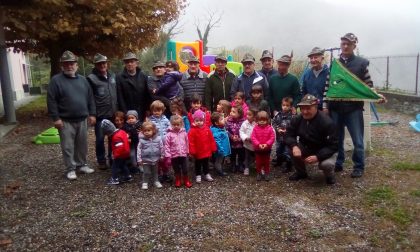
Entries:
{"x":119,"y":165}
{"x":282,"y":152}
{"x":354,"y":123}
{"x":100,"y":143}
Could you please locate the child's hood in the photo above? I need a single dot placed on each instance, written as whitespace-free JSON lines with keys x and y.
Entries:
{"x":170,"y":129}
{"x":175,"y":74}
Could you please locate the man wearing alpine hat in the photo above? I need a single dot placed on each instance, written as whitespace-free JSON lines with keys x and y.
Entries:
{"x":317,"y":144}
{"x":249,"y":78}
{"x":267,"y":65}
{"x":314,"y":78}
{"x":350,"y":113}
{"x":104,"y":88}
{"x":71,"y":106}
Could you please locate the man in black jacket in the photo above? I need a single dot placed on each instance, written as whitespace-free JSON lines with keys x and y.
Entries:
{"x":317,"y":143}
{"x":104,"y":90}
{"x":132,"y":90}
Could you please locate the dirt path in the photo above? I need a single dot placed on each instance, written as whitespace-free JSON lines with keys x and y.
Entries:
{"x":40,"y":210}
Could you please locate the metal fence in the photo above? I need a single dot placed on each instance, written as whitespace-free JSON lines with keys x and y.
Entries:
{"x":397,"y":73}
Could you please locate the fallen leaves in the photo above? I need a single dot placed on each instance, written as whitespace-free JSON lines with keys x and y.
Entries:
{"x":11,"y":188}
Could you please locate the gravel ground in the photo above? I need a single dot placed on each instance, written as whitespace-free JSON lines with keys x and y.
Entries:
{"x":42,"y":211}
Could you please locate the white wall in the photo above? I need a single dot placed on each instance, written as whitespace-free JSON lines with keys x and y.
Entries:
{"x":19,"y":73}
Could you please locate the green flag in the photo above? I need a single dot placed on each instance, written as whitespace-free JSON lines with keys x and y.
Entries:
{"x":345,"y":86}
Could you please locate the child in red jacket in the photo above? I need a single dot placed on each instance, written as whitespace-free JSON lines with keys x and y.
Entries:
{"x":202,"y":145}
{"x":120,"y":152}
{"x":262,"y":138}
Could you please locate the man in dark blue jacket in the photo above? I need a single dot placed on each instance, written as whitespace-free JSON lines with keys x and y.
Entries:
{"x":350,"y":113}
{"x":315,"y":78}
{"x":267,"y":62}
{"x":70,"y":105}
{"x":249,"y":78}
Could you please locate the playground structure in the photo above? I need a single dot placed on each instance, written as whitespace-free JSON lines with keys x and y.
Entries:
{"x":180,"y":51}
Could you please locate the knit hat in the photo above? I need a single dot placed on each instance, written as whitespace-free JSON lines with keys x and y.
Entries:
{"x":107,"y":127}
{"x":133,"y":113}
{"x":199,"y":114}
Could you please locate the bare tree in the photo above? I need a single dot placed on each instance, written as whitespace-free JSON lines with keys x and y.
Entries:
{"x":213,"y":19}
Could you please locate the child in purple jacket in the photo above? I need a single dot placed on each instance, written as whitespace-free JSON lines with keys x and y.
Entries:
{"x":169,"y":87}
{"x":233,"y":125}
{"x":176,"y":148}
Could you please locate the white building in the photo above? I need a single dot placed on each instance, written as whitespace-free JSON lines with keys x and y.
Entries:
{"x":20,"y":75}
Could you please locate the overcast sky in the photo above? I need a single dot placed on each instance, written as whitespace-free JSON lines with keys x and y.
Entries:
{"x":383,"y":27}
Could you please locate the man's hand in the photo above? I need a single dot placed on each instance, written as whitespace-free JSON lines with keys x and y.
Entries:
{"x":311,"y":160}
{"x":92,"y":120}
{"x":58,"y":124}
{"x":382,"y":99}
{"x":296,"y":151}
{"x":154,"y":91}
{"x":281,"y":131}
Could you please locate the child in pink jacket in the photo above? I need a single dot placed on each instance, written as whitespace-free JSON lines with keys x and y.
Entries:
{"x":176,"y":148}
{"x":262,"y":138}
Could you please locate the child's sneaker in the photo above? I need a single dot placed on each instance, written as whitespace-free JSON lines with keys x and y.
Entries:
{"x":129,"y":178}
{"x":86,"y":169}
{"x":198,"y":179}
{"x":246,"y":171}
{"x":144,"y":186}
{"x":267,"y":177}
{"x":158,"y":184}
{"x":71,"y":175}
{"x":208,"y":178}
{"x":113,"y":181}
{"x":259,"y":177}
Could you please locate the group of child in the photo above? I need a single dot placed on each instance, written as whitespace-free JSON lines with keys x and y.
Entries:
{"x":239,"y":130}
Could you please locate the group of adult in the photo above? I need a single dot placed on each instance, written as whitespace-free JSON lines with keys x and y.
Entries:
{"x":75,"y":101}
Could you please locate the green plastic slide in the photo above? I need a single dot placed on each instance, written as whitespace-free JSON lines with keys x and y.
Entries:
{"x":49,"y":136}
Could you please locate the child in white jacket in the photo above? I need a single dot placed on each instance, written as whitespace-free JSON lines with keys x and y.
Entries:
{"x":245,"y":135}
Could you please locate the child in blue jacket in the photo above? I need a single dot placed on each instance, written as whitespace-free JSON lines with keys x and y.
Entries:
{"x":222,"y":141}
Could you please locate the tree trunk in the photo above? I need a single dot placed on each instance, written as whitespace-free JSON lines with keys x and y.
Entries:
{"x":55,"y":54}
{"x":6,"y":84}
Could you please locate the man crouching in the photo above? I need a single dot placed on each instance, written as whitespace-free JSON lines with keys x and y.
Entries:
{"x":317,"y":142}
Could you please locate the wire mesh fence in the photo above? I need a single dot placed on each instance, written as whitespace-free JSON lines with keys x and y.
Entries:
{"x":396,"y":73}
